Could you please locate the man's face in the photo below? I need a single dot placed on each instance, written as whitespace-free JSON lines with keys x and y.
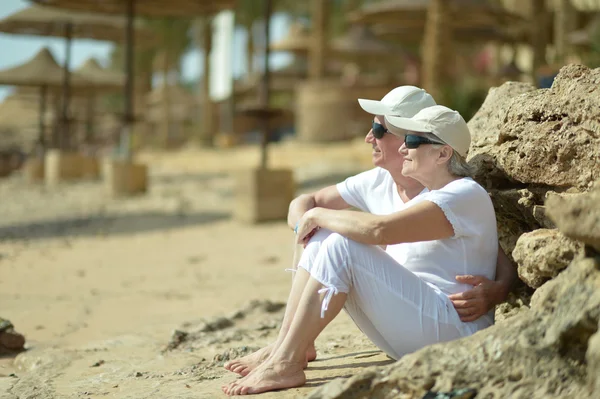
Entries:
{"x":385,"y":149}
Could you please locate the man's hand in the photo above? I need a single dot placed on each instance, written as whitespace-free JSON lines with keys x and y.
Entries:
{"x":479,"y":300}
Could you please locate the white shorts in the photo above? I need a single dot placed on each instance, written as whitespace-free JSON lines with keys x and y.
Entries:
{"x":397,"y":310}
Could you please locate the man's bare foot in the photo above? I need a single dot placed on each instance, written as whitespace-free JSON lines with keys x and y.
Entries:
{"x":246,"y":364}
{"x":269,"y":376}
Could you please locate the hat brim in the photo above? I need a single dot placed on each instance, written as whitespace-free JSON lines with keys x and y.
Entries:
{"x":398,"y":125}
{"x":374,"y":107}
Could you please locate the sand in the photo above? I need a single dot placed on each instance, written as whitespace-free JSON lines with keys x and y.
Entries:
{"x":99,"y":285}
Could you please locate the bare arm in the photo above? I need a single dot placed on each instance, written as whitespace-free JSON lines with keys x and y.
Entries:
{"x":485,"y":294}
{"x":328,"y":197}
{"x":422,"y":222}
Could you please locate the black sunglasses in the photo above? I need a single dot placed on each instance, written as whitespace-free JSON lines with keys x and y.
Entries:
{"x":413,"y":141}
{"x":378,"y":130}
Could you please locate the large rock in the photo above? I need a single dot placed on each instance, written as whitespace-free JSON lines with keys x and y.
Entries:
{"x":547,"y":136}
{"x":593,"y":359}
{"x":539,"y":354}
{"x":577,"y":216}
{"x":542,"y":254}
{"x":486,"y":124}
{"x":515,"y":214}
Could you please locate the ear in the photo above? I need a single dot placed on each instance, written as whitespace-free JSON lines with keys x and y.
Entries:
{"x":445,"y":154}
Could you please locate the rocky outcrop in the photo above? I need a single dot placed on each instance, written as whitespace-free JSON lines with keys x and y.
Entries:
{"x":528,"y":142}
{"x":549,"y":137}
{"x":542,"y":254}
{"x":578,"y":216}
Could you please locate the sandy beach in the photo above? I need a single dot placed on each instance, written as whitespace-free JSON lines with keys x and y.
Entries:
{"x":99,"y":285}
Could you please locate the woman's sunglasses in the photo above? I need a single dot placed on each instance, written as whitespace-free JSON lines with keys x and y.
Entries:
{"x":378,"y":130}
{"x":413,"y":141}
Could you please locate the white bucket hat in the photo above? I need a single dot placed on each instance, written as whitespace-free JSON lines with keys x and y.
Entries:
{"x":445,"y":123}
{"x":403,"y":101}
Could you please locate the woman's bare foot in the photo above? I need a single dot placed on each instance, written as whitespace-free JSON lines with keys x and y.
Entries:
{"x":246,"y":364}
{"x":269,"y":376}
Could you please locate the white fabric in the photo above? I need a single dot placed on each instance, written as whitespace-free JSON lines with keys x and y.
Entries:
{"x":472,"y":250}
{"x":402,"y":101}
{"x":469,"y":209}
{"x":373,"y":191}
{"x":396,"y":309}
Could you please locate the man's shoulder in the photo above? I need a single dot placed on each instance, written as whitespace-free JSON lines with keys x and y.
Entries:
{"x":373,"y":177}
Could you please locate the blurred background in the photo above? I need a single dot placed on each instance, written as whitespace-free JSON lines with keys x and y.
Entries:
{"x":192,"y":75}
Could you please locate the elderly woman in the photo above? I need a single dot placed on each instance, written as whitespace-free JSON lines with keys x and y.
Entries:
{"x":399,"y":296}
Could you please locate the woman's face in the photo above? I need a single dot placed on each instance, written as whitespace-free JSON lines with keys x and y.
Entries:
{"x":421,"y":161}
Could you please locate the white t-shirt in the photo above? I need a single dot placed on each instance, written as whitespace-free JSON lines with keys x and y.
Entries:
{"x":373,"y":191}
{"x":472,"y":250}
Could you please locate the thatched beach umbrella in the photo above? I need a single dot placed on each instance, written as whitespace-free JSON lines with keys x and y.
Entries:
{"x":45,"y":21}
{"x":439,"y":19}
{"x":297,"y":40}
{"x":43,"y":72}
{"x":130,"y":8}
{"x":102,"y":80}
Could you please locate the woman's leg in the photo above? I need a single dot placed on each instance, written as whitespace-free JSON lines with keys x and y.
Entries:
{"x":395,"y":308}
{"x":248,"y":363}
{"x":285,"y":367}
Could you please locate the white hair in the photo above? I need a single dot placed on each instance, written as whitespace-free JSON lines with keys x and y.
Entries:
{"x":457,"y":165}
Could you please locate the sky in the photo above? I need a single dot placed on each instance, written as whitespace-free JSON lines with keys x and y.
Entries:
{"x":228,"y":55}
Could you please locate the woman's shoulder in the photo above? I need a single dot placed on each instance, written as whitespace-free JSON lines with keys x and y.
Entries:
{"x":464,"y":184}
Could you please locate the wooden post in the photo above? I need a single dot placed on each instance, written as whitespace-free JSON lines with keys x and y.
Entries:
{"x":264,"y":93}
{"x":318,"y":46}
{"x":564,"y":23}
{"x":437,"y":55}
{"x":126,"y":135}
{"x":539,"y":40}
{"x":207,"y":109}
{"x":64,"y":136}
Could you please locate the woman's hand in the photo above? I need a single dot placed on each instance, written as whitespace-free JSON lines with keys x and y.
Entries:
{"x":306,"y":227}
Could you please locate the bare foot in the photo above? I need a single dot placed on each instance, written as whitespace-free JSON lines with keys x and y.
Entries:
{"x":244,"y":365}
{"x":269,"y":376}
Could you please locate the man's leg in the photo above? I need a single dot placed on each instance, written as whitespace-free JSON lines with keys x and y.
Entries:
{"x":248,"y":363}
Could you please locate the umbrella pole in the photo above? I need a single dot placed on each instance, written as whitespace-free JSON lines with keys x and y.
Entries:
{"x":42,"y":117}
{"x":63,"y":136}
{"x":264,"y":87}
{"x":128,"y":117}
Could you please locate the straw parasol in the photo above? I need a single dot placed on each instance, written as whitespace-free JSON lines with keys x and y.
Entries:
{"x":297,"y":40}
{"x":100,"y":79}
{"x":45,"y":21}
{"x":359,"y":41}
{"x":41,"y":71}
{"x":152,"y":8}
{"x":413,"y":13}
{"x":586,"y":5}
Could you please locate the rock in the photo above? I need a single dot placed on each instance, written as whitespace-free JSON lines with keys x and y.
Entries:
{"x":516,"y":303}
{"x":515,"y":214}
{"x":539,"y":354}
{"x":548,"y":136}
{"x":593,"y":360}
{"x":542,"y":254}
{"x":577,"y":216}
{"x":487,"y":123}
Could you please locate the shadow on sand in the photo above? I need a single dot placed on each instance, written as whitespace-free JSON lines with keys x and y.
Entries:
{"x":108,"y":225}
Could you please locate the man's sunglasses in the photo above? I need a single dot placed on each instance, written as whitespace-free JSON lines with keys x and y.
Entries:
{"x":378,"y":130}
{"x":413,"y":141}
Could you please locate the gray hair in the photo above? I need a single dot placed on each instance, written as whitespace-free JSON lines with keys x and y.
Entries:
{"x":457,"y":165}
